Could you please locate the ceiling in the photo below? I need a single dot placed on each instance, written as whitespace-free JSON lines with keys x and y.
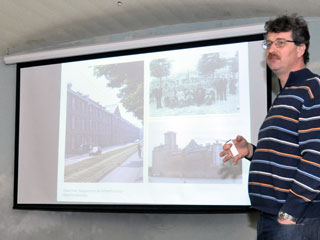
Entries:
{"x":27,"y":25}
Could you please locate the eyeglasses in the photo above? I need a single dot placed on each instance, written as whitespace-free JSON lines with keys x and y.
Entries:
{"x":279,"y":43}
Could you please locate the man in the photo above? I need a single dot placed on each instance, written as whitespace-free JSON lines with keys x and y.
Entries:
{"x":284,"y":177}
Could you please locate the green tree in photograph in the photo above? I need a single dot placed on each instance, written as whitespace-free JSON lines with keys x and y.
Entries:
{"x":128,"y":78}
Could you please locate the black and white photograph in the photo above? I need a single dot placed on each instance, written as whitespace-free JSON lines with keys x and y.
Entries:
{"x":194,"y":84}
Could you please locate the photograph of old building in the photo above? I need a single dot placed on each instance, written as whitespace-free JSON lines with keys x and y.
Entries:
{"x":194,"y":161}
{"x":90,"y":124}
{"x":98,"y":141}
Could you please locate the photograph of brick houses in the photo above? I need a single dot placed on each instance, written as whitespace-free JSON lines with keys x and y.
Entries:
{"x":102,"y":142}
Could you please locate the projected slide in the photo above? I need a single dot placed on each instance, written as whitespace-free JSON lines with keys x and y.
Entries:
{"x":140,"y":129}
{"x":152,"y":121}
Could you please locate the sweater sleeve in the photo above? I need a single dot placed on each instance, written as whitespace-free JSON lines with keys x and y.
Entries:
{"x":306,"y":185}
{"x":253,"y":150}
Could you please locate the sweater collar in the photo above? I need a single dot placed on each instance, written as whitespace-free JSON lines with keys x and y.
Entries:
{"x":296,"y":77}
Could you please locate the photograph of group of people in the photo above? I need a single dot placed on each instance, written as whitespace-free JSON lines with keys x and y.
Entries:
{"x":208,"y":84}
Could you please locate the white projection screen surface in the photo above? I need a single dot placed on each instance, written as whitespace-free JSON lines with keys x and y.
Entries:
{"x":141,"y":129}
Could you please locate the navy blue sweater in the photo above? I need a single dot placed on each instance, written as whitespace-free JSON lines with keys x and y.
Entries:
{"x":285,"y":168}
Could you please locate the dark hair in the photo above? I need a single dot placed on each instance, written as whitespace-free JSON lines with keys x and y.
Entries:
{"x":298,"y":26}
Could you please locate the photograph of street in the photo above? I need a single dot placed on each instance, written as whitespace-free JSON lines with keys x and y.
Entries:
{"x":103,"y":144}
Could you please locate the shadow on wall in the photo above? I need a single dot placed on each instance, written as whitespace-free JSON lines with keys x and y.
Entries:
{"x":315,"y":67}
{"x":39,"y":225}
{"x":20,"y":224}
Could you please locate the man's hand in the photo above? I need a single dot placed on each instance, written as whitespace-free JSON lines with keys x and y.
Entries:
{"x":285,"y":221}
{"x":244,"y":148}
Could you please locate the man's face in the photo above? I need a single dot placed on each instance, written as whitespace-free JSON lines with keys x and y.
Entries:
{"x":285,"y":59}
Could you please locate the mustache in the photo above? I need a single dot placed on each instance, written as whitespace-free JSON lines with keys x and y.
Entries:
{"x":273,"y":55}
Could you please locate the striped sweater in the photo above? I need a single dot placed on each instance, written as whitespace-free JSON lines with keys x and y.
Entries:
{"x":285,"y":168}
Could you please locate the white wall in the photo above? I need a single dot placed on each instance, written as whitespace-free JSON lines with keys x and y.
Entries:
{"x":40,"y":225}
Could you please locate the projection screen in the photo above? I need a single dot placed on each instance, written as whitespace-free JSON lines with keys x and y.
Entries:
{"x":139,"y":129}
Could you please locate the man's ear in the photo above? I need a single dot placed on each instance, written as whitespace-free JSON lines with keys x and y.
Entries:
{"x":301,"y":49}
